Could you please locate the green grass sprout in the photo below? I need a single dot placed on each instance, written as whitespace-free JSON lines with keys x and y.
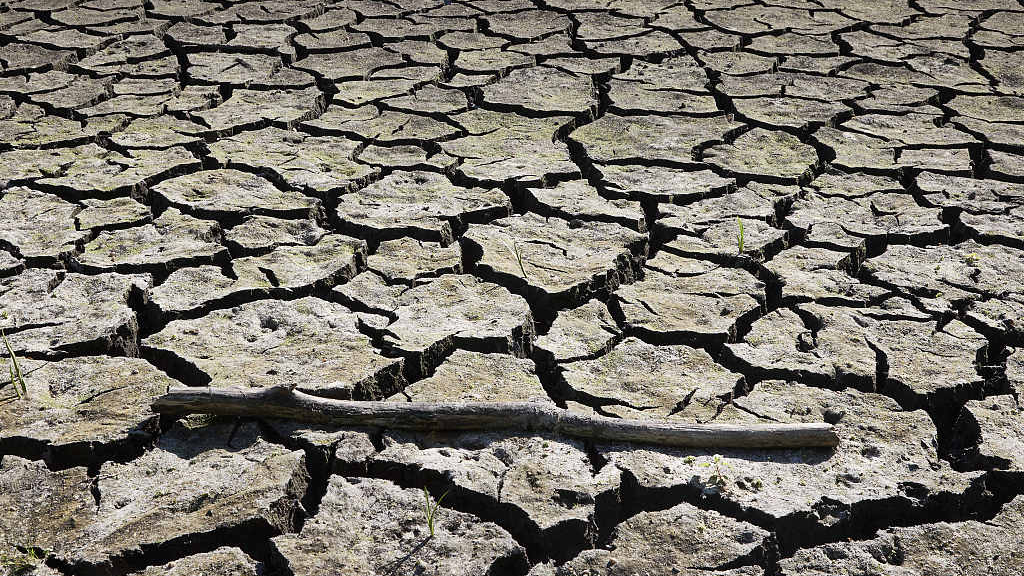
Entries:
{"x":739,"y":236}
{"x":21,"y":563}
{"x":430,"y":508}
{"x":14,"y":369}
{"x":514,"y":248}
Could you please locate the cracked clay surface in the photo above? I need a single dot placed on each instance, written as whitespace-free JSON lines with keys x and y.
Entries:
{"x":724,"y":211}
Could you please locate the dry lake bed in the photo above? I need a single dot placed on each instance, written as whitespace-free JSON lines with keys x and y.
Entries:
{"x":701,"y":211}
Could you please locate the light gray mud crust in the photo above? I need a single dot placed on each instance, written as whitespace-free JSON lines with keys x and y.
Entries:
{"x":710,"y":212}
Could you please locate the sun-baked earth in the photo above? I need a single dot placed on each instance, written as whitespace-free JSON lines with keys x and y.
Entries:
{"x":733,"y":211}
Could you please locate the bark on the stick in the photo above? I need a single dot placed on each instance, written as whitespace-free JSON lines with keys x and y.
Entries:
{"x":285,"y":402}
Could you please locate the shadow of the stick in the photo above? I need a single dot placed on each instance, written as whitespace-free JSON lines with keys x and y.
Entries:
{"x":392,"y":568}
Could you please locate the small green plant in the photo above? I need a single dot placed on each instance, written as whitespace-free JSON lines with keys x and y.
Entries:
{"x":21,"y":562}
{"x":739,"y":236}
{"x":514,"y":248}
{"x":14,"y":369}
{"x":430,"y":508}
{"x":718,"y":477}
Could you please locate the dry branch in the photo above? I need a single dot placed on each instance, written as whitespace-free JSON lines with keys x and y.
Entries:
{"x":284,"y":402}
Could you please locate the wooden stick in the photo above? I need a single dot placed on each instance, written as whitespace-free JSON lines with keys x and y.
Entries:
{"x":285,"y":402}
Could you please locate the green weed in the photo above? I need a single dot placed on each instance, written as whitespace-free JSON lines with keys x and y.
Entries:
{"x":14,"y":369}
{"x":21,"y":562}
{"x":514,"y":248}
{"x":718,"y":477}
{"x":739,"y":236}
{"x":430,"y":509}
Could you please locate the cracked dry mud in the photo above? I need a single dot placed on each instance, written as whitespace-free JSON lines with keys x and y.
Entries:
{"x":718,"y":211}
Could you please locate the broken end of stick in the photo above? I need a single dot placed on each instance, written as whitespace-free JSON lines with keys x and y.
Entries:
{"x":177,"y":401}
{"x":182,"y":400}
{"x":810,"y":435}
{"x":829,"y":438}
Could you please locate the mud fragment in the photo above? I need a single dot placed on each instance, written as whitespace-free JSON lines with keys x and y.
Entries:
{"x":973,"y":547}
{"x":459,"y":311}
{"x":579,"y":333}
{"x":226,"y":194}
{"x":223,"y":560}
{"x":56,"y":313}
{"x":990,"y":435}
{"x":39,"y":227}
{"x":423,"y":205}
{"x":682,"y":540}
{"x":688,"y":302}
{"x":282,"y":272}
{"x":82,"y":410}
{"x":320,"y":165}
{"x":882,"y":452}
{"x":173,"y":240}
{"x":314,"y":344}
{"x":541,"y":489}
{"x":198,"y":483}
{"x":408,"y":261}
{"x":544,"y":256}
{"x":657,"y":381}
{"x":380,"y":528}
